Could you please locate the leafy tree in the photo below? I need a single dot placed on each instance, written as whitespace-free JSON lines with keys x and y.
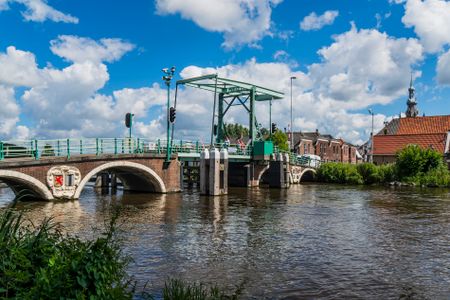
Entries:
{"x":280,"y":139}
{"x":236,"y":131}
{"x":413,"y":161}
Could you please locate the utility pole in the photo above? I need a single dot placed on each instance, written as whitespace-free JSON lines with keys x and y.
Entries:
{"x":291,"y":124}
{"x":167,"y":79}
{"x":371,"y":138}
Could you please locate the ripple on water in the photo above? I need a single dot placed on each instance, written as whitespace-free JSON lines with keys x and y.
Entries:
{"x":311,"y":241}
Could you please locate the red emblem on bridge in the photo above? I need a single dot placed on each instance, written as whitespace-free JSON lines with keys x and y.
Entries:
{"x":59,"y":180}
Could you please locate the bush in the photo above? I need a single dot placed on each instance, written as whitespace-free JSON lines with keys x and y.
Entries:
{"x":387,"y":173}
{"x":413,"y":161}
{"x":369,"y":173}
{"x":339,"y":173}
{"x":42,"y":263}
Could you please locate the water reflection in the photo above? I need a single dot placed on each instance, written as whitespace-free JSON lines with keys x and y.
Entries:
{"x":311,"y":241}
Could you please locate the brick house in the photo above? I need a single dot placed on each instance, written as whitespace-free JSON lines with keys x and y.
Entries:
{"x":325,"y":146}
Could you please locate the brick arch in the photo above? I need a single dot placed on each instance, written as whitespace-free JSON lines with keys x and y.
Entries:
{"x":306,"y":170}
{"x":18,"y":181}
{"x":145,"y":172}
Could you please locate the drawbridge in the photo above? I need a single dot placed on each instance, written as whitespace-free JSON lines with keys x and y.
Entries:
{"x":228,"y":93}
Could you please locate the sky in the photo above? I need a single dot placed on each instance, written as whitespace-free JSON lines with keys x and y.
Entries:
{"x":74,"y":68}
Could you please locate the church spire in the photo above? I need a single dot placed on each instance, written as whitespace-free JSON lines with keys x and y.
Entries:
{"x":412,"y":110}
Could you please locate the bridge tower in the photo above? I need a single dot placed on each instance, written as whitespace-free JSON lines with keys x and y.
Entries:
{"x":228,"y":93}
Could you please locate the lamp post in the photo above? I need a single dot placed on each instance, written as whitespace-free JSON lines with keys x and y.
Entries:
{"x":371,"y":138}
{"x":291,"y":125}
{"x":167,"y":79}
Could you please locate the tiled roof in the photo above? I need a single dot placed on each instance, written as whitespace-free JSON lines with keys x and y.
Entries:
{"x":390,"y":144}
{"x":417,"y":125}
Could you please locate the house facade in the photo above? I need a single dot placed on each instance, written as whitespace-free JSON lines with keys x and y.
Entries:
{"x":325,"y":146}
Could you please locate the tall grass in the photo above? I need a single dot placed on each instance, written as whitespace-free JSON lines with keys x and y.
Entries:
{"x":39,"y":262}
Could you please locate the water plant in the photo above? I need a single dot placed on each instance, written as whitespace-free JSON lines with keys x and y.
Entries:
{"x":39,"y":262}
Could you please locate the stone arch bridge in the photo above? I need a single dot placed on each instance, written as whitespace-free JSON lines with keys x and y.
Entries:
{"x":62,"y":168}
{"x":59,"y":177}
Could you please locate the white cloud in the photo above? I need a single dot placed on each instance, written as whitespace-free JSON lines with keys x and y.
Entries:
{"x":39,"y":11}
{"x":365,"y":66}
{"x":283,"y":56}
{"x":18,"y":68}
{"x":431,"y":22}
{"x":66,"y":102}
{"x":359,"y":69}
{"x":443,"y":69}
{"x":79,"y":49}
{"x":9,"y":114}
{"x":241,"y":21}
{"x":315,"y":22}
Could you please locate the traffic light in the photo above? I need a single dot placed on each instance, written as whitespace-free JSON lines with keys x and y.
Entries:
{"x":274,"y":127}
{"x":172,"y":114}
{"x":215,"y":129}
{"x":129,"y":120}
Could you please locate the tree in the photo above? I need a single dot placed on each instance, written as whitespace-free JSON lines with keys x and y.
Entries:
{"x":280,"y":139}
{"x":413,"y":160}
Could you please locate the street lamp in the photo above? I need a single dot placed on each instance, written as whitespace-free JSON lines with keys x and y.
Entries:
{"x":168,"y":75}
{"x":371,"y":138}
{"x":292,"y":125}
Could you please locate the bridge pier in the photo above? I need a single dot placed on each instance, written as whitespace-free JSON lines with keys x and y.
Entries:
{"x":279,"y":174}
{"x":214,"y":172}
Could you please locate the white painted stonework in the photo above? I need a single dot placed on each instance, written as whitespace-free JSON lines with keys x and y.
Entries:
{"x":28,"y":181}
{"x":296,"y":174}
{"x":63,"y":181}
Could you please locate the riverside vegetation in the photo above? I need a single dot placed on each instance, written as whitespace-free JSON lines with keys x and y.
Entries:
{"x":413,"y":166}
{"x":40,"y":262}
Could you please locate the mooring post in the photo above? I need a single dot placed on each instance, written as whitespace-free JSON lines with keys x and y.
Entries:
{"x":224,"y":172}
{"x":204,"y":172}
{"x":214,"y":172}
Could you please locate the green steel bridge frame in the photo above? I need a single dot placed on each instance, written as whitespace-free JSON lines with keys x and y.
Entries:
{"x":228,"y":93}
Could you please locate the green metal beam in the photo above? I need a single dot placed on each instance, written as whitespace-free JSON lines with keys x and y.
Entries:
{"x":231,"y":87}
{"x":199,"y":78}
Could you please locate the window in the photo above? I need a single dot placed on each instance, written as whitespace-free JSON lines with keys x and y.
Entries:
{"x":69,"y":180}
{"x":305,"y":151}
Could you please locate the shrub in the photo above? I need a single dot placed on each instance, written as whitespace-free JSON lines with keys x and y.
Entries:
{"x":413,"y":161}
{"x":387,"y":173}
{"x":369,"y":173}
{"x":42,"y":263}
{"x":339,"y":173}
{"x":436,"y":177}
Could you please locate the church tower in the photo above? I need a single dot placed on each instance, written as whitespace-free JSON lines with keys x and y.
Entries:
{"x":412,"y":110}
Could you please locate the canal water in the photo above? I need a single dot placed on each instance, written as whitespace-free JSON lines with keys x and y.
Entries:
{"x":309,"y":242}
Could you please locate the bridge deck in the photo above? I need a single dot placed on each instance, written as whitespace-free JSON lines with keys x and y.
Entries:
{"x":117,"y":148}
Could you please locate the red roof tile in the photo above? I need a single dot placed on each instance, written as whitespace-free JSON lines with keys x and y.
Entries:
{"x":420,"y":125}
{"x":390,"y":144}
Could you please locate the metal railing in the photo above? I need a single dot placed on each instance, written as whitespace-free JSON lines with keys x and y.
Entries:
{"x":98,"y":146}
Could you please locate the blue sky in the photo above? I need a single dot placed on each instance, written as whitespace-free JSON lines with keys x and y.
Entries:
{"x":74,"y":68}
